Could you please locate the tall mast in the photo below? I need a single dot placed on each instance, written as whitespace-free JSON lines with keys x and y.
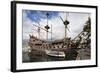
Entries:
{"x":39,"y":31}
{"x":66,"y":22}
{"x":51,"y":32}
{"x":47,"y":27}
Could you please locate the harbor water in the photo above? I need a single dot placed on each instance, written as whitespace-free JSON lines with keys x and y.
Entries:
{"x":35,"y":56}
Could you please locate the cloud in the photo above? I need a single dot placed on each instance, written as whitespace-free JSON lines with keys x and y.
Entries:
{"x":77,"y":21}
{"x":36,"y":16}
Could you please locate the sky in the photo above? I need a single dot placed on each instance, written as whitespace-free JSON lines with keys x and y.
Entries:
{"x":33,"y":18}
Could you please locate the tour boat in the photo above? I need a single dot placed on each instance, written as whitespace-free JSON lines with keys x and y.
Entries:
{"x":55,"y":53}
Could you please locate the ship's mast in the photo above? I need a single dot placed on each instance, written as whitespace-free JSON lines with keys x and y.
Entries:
{"x":51,"y":32}
{"x":39,"y":31}
{"x":47,"y":27}
{"x":66,"y":22}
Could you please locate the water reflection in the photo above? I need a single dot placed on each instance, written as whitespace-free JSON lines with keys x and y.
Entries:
{"x":35,"y":56}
